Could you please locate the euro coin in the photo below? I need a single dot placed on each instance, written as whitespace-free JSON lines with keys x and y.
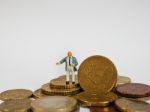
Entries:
{"x":23,"y":105}
{"x":132,"y":105}
{"x":38,"y":94}
{"x":88,"y":99}
{"x":15,"y":94}
{"x":97,"y":74}
{"x":123,"y":80}
{"x":55,"y":104}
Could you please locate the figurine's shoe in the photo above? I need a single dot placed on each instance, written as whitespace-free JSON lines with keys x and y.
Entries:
{"x":67,"y":82}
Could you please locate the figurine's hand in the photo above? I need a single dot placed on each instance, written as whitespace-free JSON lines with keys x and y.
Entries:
{"x":57,"y":63}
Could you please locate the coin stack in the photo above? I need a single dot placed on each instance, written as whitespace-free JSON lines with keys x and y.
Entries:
{"x":16,"y":100}
{"x":58,"y":87}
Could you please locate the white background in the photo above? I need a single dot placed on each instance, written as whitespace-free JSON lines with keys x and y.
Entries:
{"x":35,"y":34}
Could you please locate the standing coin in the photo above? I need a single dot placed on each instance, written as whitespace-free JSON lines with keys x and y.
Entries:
{"x":15,"y":94}
{"x":123,"y":80}
{"x":131,"y":105}
{"x":133,"y":90}
{"x":22,"y":105}
{"x":97,"y":74}
{"x":54,"y":104}
{"x":88,"y":99}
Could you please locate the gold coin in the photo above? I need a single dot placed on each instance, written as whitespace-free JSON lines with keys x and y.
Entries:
{"x":64,"y":92}
{"x":88,"y":99}
{"x":123,"y":80}
{"x":15,"y":94}
{"x":54,"y":104}
{"x":23,"y":105}
{"x":60,"y":83}
{"x":38,"y":94}
{"x":97,"y":74}
{"x":132,"y":105}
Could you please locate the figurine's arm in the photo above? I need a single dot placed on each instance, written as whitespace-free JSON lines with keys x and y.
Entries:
{"x":61,"y":61}
{"x":75,"y":61}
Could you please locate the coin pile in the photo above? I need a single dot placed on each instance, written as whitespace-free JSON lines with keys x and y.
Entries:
{"x":97,"y":86}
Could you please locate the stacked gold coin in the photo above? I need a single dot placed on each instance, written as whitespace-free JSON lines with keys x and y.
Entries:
{"x":97,"y":76}
{"x":15,"y":100}
{"x":55,"y":104}
{"x":58,"y":87}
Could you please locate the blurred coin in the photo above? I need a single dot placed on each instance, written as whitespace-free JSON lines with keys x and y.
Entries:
{"x":133,"y":90}
{"x":123,"y":80}
{"x":55,"y":104}
{"x":64,"y":92}
{"x":132,"y":105}
{"x":38,"y":94}
{"x":97,"y":74}
{"x":15,"y":94}
{"x":88,"y":99}
{"x":103,"y":109}
{"x":60,"y":83}
{"x":22,"y":105}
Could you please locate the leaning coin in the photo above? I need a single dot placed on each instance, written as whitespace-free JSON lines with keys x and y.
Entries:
{"x":55,"y":104}
{"x":133,"y":90}
{"x":102,"y":100}
{"x":132,"y":105}
{"x":23,"y":105}
{"x":15,"y":94}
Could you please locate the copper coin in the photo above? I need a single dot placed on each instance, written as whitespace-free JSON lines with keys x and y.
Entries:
{"x":22,"y":105}
{"x":133,"y":90}
{"x":15,"y":94}
{"x":132,"y":105}
{"x":104,"y":109}
{"x":97,"y":74}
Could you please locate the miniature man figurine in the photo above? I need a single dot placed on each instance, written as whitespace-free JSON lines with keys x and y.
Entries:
{"x":71,"y":66}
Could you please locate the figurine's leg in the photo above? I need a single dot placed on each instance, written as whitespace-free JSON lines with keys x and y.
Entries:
{"x":73,"y":77}
{"x":67,"y":77}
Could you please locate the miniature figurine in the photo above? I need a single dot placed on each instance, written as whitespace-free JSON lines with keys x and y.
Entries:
{"x":71,"y":67}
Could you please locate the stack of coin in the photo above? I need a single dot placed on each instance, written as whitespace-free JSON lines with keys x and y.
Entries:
{"x":97,"y":76}
{"x":16,"y":100}
{"x":58,"y":87}
{"x":55,"y":104}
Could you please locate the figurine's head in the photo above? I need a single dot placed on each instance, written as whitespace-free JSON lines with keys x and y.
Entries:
{"x":69,"y":54}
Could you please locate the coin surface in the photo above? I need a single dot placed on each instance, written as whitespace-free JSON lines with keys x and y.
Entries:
{"x":38,"y":94}
{"x":60,"y":83}
{"x":123,"y":80}
{"x":23,"y":105}
{"x":132,"y":105}
{"x":103,"y":109}
{"x":97,"y":74}
{"x":88,"y":99}
{"x":63,"y":92}
{"x":54,"y":104}
{"x":133,"y":90}
{"x":15,"y":94}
